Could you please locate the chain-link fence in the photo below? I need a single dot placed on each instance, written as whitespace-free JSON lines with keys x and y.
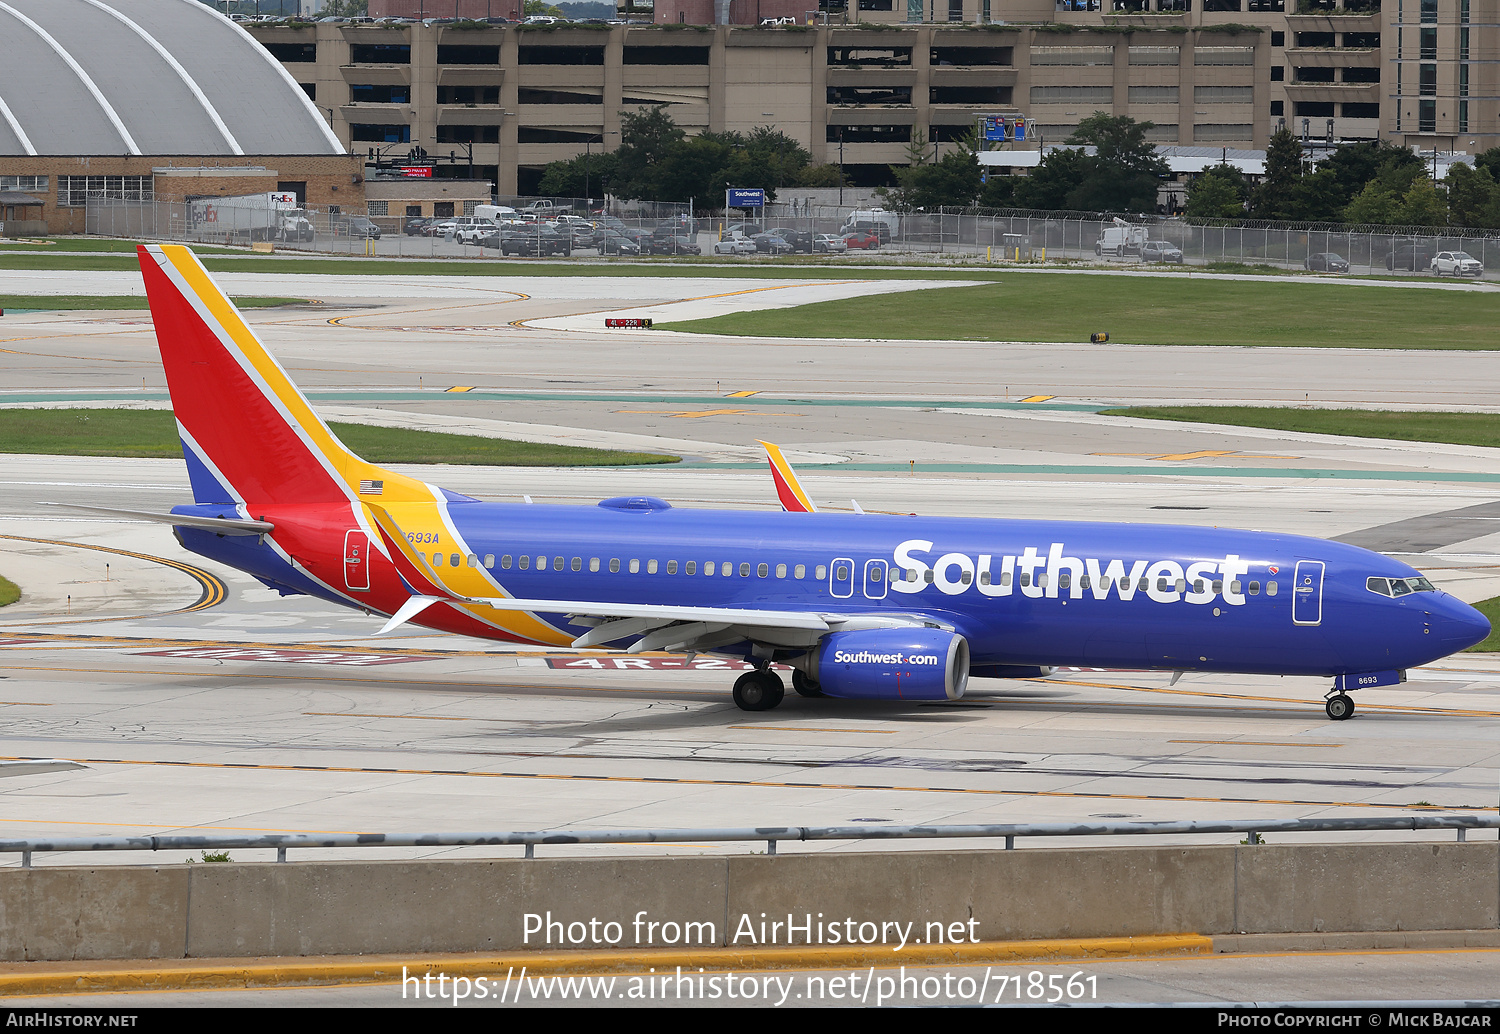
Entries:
{"x":968,"y":235}
{"x":532,"y":227}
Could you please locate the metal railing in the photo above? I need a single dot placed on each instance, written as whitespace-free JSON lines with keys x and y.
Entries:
{"x":1254,"y":829}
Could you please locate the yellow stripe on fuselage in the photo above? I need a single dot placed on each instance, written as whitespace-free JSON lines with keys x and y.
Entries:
{"x":420,"y":531}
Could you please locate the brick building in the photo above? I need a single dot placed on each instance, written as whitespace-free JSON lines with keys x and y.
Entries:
{"x":143,"y":99}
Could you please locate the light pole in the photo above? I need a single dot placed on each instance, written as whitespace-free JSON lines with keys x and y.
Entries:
{"x":841,"y":166}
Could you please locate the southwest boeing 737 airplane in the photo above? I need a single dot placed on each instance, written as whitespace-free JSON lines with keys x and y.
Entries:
{"x":860,"y":606}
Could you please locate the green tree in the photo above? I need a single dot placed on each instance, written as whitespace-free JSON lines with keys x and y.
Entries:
{"x":1218,"y":193}
{"x":1374,"y":205}
{"x":999,"y":191}
{"x":583,"y":176}
{"x":1273,"y":199}
{"x":645,"y":139}
{"x":1124,"y":170}
{"x":1052,"y":182}
{"x":1424,"y":205}
{"x":345,"y":9}
{"x":1316,"y":198}
{"x":818,"y":176}
{"x":1489,"y":161}
{"x":697,"y":167}
{"x":1473,"y":197}
{"x":954,"y":181}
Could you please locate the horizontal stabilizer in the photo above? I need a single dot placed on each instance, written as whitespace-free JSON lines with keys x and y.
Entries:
{"x":32,"y":766}
{"x":223,"y":525}
{"x":410,"y":609}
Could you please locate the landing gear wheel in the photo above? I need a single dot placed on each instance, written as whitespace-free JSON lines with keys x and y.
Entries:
{"x":804,"y":685}
{"x":758,"y":691}
{"x":1339,"y":707}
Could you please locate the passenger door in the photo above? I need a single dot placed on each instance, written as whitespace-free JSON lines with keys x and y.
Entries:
{"x":1307,"y":593}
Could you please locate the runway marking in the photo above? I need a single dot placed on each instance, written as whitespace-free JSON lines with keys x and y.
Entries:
{"x":423,"y":717}
{"x":469,"y":387}
{"x":22,"y":703}
{"x":338,"y":321}
{"x":763,"y":784}
{"x":521,"y":324}
{"x":360,"y":660}
{"x":212,"y":590}
{"x":741,"y":394}
{"x":814,"y":728}
{"x":1399,"y":708}
{"x":1038,"y":398}
{"x":1258,"y":743}
{"x":998,"y":699}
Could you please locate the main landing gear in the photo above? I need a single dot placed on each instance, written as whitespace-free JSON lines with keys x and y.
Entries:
{"x":804,"y":685}
{"x":758,"y":690}
{"x":1340,"y":706}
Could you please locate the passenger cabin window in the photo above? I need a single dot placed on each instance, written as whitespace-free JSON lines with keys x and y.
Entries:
{"x":489,"y":560}
{"x":505,"y":562}
{"x":819,"y":572}
{"x":692,"y":567}
{"x":593,"y":563}
{"x":577,"y":564}
{"x":525,"y":563}
{"x":635,"y":567}
{"x":650,"y":566}
{"x":614,"y":567}
{"x":671,"y":567}
{"x":800,"y":571}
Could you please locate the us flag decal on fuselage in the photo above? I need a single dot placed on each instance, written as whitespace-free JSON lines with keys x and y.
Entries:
{"x":371,"y":487}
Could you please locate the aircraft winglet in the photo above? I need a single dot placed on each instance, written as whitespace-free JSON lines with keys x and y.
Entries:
{"x":788,"y":488}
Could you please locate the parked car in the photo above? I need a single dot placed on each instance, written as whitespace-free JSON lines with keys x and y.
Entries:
{"x":612,"y":243}
{"x":771,"y":244}
{"x":800,"y":240}
{"x":439,"y":227}
{"x":862,"y":240}
{"x":1326,"y":262}
{"x":881,"y":230}
{"x":674,"y":246}
{"x":1160,"y":251}
{"x":415,"y":225}
{"x":828,"y":244}
{"x":735,"y":246}
{"x":1414,"y":257}
{"x":536,"y":241}
{"x":353,"y":226}
{"x":1456,"y":263}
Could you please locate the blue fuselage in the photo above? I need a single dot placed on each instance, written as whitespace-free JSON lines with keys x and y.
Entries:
{"x":1020,"y":592}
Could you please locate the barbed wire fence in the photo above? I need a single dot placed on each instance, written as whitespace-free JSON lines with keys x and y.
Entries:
{"x":920,"y":236}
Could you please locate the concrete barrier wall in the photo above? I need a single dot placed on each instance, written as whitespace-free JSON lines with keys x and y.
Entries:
{"x":352,"y":907}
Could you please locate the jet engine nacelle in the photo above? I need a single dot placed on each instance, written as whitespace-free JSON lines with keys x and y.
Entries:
{"x":891,"y":664}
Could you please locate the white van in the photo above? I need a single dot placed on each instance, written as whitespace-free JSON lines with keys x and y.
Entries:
{"x":496,"y":214}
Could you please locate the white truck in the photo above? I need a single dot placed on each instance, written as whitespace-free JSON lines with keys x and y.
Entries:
{"x":249,"y":217}
{"x":1121,"y":239}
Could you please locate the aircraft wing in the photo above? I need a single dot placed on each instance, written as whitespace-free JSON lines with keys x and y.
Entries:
{"x":661,"y":626}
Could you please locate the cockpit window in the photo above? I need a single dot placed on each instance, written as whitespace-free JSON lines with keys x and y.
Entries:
{"x":1399,"y":586}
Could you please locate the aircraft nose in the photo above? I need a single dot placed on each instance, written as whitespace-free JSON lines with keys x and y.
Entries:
{"x":1460,"y":626}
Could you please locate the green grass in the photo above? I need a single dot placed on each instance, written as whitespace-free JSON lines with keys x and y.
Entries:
{"x":1141,"y":310}
{"x":153,"y":434}
{"x":82,"y":243}
{"x":1453,"y":428}
{"x":8,"y":592}
{"x":69,"y":302}
{"x":1491,"y":609}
